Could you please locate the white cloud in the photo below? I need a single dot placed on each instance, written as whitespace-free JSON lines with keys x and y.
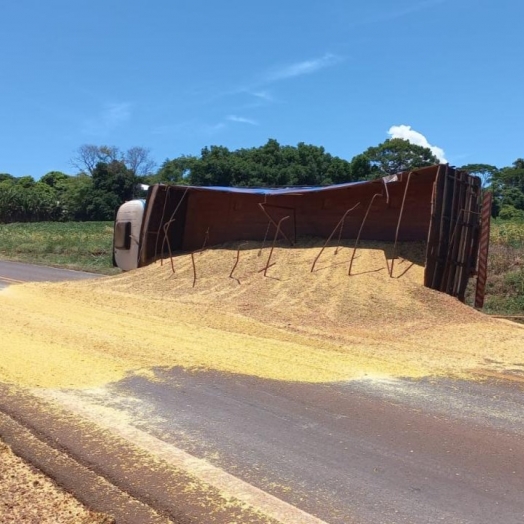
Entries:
{"x":211,"y":129}
{"x":116,"y":114}
{"x":242,"y":120}
{"x":192,"y":127}
{"x":258,"y":88}
{"x":416,"y":7}
{"x":110,"y":117}
{"x":263,"y":95}
{"x":400,"y":12}
{"x":301,"y":68}
{"x":414,"y":137}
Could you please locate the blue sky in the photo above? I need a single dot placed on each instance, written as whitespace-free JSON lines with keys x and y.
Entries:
{"x":177,"y":75}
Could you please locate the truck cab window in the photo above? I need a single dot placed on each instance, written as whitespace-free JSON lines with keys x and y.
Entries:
{"x":123,"y":235}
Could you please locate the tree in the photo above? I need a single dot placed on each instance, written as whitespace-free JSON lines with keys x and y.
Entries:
{"x":136,"y":159}
{"x":213,"y":168}
{"x":6,"y":177}
{"x":75,"y":197}
{"x":89,"y":155}
{"x":396,"y":155}
{"x":361,"y":167}
{"x":176,"y":171}
{"x":24,"y":200}
{"x":507,"y":185}
{"x":484,"y":171}
{"x":44,"y":203}
{"x":512,"y":176}
{"x":25,"y":181}
{"x":54,"y":179}
{"x":113,"y":184}
{"x":270,"y":165}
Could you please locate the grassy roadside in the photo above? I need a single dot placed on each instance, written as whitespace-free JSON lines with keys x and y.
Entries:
{"x":505,"y":286}
{"x":85,"y":246}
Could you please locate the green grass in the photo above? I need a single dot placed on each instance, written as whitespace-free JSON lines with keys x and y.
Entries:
{"x":85,"y":246}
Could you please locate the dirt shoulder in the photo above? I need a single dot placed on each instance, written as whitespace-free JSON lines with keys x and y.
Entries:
{"x":29,"y":496}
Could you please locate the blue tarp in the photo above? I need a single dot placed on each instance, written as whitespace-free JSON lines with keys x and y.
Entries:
{"x":278,"y":191}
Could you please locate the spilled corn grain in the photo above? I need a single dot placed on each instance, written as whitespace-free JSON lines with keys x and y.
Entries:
{"x":292,"y":324}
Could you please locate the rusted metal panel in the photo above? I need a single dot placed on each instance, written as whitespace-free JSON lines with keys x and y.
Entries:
{"x":451,"y":243}
{"x":482,"y":270}
{"x":143,"y":256}
{"x":161,"y":204}
{"x":237,"y":216}
{"x":472,"y":217}
{"x":453,"y":266}
{"x":433,"y":233}
{"x":438,"y":239}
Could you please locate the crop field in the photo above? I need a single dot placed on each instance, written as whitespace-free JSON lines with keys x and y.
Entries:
{"x":83,"y":246}
{"x":505,"y":289}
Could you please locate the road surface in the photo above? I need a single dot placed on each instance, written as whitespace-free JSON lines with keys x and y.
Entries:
{"x":19,"y":272}
{"x":392,"y":451}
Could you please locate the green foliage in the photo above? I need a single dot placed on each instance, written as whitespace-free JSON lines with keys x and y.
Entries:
{"x":506,"y":233}
{"x":507,"y":185}
{"x":109,"y":176}
{"x":270,"y":165}
{"x":505,"y":286}
{"x":24,"y":200}
{"x":510,"y":212}
{"x":60,"y":197}
{"x":113,"y":184}
{"x":75,"y":197}
{"x":25,"y":182}
{"x":85,"y":246}
{"x":176,"y":171}
{"x":361,"y":167}
{"x":55,"y":179}
{"x":484,"y":171}
{"x":394,"y":156}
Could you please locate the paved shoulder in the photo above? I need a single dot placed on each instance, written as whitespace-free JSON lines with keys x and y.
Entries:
{"x":17,"y":272}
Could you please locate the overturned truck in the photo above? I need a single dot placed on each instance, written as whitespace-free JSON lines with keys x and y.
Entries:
{"x":439,"y":205}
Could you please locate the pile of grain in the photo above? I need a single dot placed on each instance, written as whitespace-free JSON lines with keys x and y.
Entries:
{"x":292,"y":324}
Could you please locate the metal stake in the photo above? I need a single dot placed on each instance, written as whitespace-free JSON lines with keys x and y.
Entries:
{"x":398,"y":224}
{"x":340,"y":223}
{"x":361,"y":228}
{"x":273,"y":245}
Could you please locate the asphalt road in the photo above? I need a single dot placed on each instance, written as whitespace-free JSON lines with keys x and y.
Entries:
{"x":18,"y":272}
{"x":370,"y":451}
{"x":373,"y":451}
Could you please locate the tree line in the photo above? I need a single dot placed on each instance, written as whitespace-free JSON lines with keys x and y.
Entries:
{"x":106,"y":176}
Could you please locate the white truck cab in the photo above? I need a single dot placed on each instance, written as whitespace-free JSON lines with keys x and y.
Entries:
{"x":128,"y":224}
